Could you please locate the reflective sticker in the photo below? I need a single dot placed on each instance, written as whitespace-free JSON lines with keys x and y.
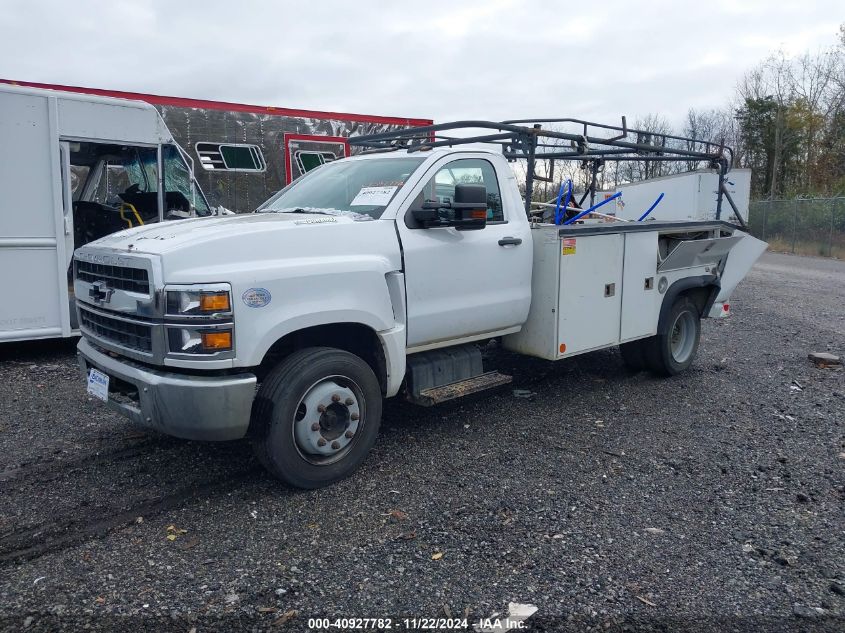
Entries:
{"x":256,"y":297}
{"x":568,"y":247}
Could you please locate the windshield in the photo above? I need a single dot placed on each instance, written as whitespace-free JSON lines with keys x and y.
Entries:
{"x":362,"y":188}
{"x":178,"y":178}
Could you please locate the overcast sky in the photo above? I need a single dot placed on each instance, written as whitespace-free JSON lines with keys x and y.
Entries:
{"x":444,"y":60}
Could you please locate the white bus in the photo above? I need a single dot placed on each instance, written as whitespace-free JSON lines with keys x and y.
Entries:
{"x":74,"y":168}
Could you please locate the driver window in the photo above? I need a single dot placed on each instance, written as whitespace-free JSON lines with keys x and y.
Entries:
{"x":466,"y":171}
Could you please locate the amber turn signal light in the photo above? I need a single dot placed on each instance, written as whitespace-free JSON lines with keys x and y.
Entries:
{"x":217,"y":340}
{"x":214,"y":302}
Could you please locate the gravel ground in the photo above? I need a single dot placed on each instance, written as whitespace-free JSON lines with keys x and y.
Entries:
{"x":711,"y":501}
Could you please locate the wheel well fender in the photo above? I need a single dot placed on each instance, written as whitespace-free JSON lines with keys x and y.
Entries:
{"x":702,"y":290}
{"x":356,"y":338}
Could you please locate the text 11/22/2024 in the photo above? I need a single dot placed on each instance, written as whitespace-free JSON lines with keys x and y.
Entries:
{"x":494,"y":623}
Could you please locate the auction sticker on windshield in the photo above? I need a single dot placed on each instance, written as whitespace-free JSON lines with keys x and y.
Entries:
{"x":98,"y":384}
{"x":373,"y":196}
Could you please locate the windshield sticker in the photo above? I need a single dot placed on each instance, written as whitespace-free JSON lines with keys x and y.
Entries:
{"x":373,"y":196}
{"x":256,"y":297}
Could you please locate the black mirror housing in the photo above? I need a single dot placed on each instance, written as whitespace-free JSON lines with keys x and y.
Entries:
{"x":426,"y":216}
{"x":469,"y":210}
{"x":471,"y":194}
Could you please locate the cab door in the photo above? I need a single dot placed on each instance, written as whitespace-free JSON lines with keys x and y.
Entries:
{"x":465,"y":284}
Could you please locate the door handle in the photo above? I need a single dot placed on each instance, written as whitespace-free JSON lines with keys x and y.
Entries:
{"x":510,"y":241}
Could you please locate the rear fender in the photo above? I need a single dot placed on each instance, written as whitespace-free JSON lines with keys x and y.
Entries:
{"x":709,"y":284}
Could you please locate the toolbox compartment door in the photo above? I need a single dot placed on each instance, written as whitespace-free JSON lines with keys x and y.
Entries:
{"x":740,"y":260}
{"x":640,"y":298}
{"x":590,"y":300}
{"x":692,"y":253}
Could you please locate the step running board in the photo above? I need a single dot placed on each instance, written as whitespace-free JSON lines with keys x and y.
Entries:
{"x":482,"y":382}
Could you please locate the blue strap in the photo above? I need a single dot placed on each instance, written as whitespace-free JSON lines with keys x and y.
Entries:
{"x":593,"y":208}
{"x":651,"y":208}
{"x":558,"y":213}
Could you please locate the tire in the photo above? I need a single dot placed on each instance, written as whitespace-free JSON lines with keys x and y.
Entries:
{"x":674,"y":347}
{"x":316,"y":417}
{"x":633,"y":355}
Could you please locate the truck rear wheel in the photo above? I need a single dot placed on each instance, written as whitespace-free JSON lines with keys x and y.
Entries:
{"x":674,"y":347}
{"x":316,"y":417}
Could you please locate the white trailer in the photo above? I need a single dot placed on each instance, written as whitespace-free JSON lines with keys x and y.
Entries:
{"x":74,"y":168}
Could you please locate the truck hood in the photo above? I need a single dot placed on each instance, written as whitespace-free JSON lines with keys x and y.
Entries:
{"x":164,"y":237}
{"x":257,"y":246}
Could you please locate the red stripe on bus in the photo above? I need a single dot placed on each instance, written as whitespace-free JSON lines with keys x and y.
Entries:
{"x":184,"y":102}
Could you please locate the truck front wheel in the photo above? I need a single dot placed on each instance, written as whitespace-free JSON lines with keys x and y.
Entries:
{"x":676,"y":344}
{"x":316,"y":417}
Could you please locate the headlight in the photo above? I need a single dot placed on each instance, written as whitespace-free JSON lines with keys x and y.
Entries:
{"x":198,"y":320}
{"x":188,"y":340}
{"x":199,"y":302}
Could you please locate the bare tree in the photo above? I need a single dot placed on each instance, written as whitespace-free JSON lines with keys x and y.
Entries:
{"x":812,"y":82}
{"x":653,"y":130}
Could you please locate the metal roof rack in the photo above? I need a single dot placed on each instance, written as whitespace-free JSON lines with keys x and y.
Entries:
{"x":526,"y":139}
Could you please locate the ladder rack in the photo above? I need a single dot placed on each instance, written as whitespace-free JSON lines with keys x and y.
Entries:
{"x":526,"y":139}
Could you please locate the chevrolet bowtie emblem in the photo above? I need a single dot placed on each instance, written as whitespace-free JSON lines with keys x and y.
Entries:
{"x":100,"y":292}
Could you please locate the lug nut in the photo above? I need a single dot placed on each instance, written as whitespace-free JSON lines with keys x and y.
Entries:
{"x":350,"y":402}
{"x":349,"y":435}
{"x":315,"y":426}
{"x":321,"y":408}
{"x":354,"y":416}
{"x":321,"y":442}
{"x":335,"y":445}
{"x":335,"y":398}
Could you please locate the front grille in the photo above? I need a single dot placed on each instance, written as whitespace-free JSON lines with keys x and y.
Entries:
{"x":117,"y":277}
{"x":135,"y":336}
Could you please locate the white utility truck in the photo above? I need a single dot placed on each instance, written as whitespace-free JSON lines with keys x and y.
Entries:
{"x":379,"y":275}
{"x":74,"y":168}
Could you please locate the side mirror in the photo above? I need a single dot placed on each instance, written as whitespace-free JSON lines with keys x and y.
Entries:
{"x":468,"y":211}
{"x":474,"y":195}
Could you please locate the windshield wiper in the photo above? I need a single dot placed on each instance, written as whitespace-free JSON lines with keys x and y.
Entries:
{"x":325,"y":211}
{"x":301,"y":210}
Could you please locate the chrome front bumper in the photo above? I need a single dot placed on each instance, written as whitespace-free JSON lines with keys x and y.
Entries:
{"x":187,"y":406}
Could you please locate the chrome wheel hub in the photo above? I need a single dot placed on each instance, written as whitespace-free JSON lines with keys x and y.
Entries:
{"x":327,"y":419}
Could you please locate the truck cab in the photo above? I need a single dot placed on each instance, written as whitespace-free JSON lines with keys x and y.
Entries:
{"x":371,"y":277}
